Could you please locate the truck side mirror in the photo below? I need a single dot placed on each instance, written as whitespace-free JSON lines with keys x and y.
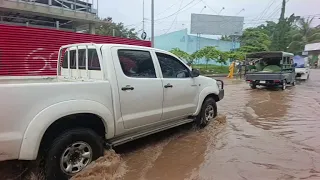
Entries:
{"x":195,"y":73}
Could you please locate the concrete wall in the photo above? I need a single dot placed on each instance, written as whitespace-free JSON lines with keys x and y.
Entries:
{"x":172,"y":40}
{"x":188,"y":43}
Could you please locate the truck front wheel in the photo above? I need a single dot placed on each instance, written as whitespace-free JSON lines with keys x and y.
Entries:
{"x":207,"y":113}
{"x":71,"y":152}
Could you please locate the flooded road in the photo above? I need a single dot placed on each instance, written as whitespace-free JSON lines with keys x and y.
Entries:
{"x":268,"y":134}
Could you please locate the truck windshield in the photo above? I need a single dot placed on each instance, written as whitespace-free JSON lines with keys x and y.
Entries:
{"x":299,"y":62}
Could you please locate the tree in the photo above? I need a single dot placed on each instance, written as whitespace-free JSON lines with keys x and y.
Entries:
{"x":119,"y":29}
{"x":253,"y":40}
{"x":268,"y":29}
{"x":304,"y":35}
{"x":237,"y":55}
{"x":226,"y":38}
{"x":182,"y":55}
{"x":223,"y":58}
{"x":209,"y":53}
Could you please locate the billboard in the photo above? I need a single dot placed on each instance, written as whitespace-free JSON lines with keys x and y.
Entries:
{"x":216,"y":24}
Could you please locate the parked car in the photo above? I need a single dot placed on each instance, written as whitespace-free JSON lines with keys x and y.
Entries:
{"x":270,"y":69}
{"x":103,"y":95}
{"x":302,"y":67}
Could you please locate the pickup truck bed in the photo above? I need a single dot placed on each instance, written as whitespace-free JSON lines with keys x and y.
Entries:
{"x":23,"y":99}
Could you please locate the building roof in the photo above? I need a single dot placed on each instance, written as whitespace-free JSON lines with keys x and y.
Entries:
{"x":312,"y":47}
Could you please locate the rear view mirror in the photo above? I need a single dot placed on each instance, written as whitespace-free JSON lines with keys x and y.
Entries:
{"x":195,"y":73}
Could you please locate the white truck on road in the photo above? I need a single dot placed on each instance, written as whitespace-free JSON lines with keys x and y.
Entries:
{"x":302,"y":67}
{"x":103,"y":95}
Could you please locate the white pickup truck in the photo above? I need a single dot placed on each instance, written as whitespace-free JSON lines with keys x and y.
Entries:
{"x":103,"y":95}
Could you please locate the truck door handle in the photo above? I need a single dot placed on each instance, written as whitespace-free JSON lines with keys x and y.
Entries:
{"x":168,"y":86}
{"x":128,"y":87}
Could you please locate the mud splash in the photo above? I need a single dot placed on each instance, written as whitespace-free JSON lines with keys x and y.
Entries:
{"x":108,"y":167}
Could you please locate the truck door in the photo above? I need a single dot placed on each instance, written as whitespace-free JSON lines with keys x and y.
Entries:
{"x":140,"y":88}
{"x":180,"y":89}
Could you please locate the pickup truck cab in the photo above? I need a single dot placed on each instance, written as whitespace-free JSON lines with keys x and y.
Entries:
{"x":103,"y":95}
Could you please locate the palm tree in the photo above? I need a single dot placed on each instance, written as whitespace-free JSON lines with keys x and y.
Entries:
{"x":305,"y":34}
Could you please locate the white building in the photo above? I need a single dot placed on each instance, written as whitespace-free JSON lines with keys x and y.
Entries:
{"x":313,"y":52}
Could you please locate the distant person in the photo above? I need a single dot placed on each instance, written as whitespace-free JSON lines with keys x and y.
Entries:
{"x":231,"y":70}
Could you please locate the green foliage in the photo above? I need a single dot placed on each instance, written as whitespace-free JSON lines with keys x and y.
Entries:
{"x":237,"y":55}
{"x":223,"y":58}
{"x":254,"y":40}
{"x":288,"y":34}
{"x":119,"y":29}
{"x":226,"y":38}
{"x":303,"y":35}
{"x":209,"y":53}
{"x":181,"y":54}
{"x":211,"y":69}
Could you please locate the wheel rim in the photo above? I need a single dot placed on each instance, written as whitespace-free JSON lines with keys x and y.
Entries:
{"x":75,"y":158}
{"x":284,"y":85}
{"x":209,"y":113}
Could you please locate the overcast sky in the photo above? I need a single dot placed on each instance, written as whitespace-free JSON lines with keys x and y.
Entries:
{"x":130,"y":11}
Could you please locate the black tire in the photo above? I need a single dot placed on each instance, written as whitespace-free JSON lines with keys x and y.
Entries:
{"x":53,"y":170}
{"x":294,"y":83}
{"x":201,"y":118}
{"x":253,"y":85}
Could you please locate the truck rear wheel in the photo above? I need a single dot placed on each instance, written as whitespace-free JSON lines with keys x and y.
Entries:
{"x":253,"y":85}
{"x":71,"y":152}
{"x":208,"y":112}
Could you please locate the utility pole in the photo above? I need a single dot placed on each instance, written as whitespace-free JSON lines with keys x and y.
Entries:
{"x":152,"y":23}
{"x":282,"y":24}
{"x":143,"y":16}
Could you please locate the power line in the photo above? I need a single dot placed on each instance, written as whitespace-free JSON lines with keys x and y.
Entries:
{"x":167,"y":8}
{"x":177,"y":12}
{"x":267,"y":9}
{"x":174,"y":18}
{"x":209,"y":6}
{"x":264,"y":11}
{"x":277,"y":9}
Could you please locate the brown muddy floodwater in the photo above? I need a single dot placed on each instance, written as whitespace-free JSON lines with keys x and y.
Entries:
{"x":261,"y":134}
{"x":269,"y":134}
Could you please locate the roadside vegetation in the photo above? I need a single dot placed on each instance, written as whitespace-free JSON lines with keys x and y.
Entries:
{"x":211,"y":69}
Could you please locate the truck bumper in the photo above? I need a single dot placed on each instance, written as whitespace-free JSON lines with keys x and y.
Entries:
{"x":221,"y":90}
{"x":221,"y":94}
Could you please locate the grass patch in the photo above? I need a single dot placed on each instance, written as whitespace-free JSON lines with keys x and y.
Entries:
{"x":211,"y":69}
